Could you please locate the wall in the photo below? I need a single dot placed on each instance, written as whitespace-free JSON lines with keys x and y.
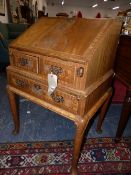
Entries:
{"x":86,"y":12}
{"x":40,"y":3}
{"x":4,"y":19}
{"x":52,"y":10}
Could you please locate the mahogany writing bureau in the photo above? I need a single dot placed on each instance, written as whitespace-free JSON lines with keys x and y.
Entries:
{"x":79,"y":54}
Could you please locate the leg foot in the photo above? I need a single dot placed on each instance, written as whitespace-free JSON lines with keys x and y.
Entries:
{"x":15,"y":131}
{"x":74,"y":171}
{"x":13,"y":106}
{"x":99,"y":131}
{"x":117,"y":140}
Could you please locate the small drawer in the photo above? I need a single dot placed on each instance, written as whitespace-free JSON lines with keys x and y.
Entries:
{"x":24,"y":61}
{"x":68,"y":73}
{"x":59,"y":98}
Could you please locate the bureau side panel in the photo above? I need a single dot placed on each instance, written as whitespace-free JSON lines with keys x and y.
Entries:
{"x":97,"y":94}
{"x":102,"y":54}
{"x":87,"y":103}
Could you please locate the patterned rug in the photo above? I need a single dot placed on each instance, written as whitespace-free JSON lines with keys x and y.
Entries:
{"x":98,"y":156}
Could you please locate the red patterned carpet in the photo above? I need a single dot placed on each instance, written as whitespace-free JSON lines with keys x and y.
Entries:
{"x":99,"y":156}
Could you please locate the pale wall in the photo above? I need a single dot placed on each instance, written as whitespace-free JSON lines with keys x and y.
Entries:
{"x":86,"y":12}
{"x":4,"y":19}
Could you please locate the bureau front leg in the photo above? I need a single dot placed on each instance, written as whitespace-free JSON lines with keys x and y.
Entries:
{"x":80,"y":130}
{"x":13,"y":106}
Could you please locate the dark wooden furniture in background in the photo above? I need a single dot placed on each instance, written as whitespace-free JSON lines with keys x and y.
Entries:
{"x":81,"y":53}
{"x":123,"y":73}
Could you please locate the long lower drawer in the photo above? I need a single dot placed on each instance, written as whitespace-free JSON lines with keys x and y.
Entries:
{"x":36,"y":88}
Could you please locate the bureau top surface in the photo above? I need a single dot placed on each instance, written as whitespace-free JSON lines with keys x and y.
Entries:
{"x":68,"y":39}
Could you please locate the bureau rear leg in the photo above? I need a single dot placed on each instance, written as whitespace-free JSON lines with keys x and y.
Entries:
{"x":103,"y":112}
{"x":80,"y":130}
{"x":13,"y":106}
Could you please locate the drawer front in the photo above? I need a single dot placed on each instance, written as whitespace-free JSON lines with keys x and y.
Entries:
{"x":24,"y":61}
{"x":68,"y":73}
{"x":59,"y":98}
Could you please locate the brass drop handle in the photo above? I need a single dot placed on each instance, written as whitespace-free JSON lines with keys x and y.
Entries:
{"x":21,"y":83}
{"x":55,"y":70}
{"x":37,"y":89}
{"x":23,"y":61}
{"x":56,"y":98}
{"x":80,"y":72}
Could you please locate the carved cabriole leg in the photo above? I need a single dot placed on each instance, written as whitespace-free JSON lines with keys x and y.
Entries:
{"x":81,"y":125}
{"x":103,"y":112}
{"x":126,"y":109}
{"x":13,"y":106}
{"x":80,"y":130}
